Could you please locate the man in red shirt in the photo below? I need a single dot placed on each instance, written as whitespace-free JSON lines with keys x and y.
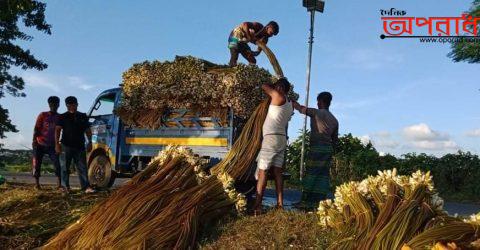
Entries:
{"x":44,"y":140}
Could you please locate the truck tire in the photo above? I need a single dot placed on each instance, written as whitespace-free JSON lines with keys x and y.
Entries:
{"x":100,"y":172}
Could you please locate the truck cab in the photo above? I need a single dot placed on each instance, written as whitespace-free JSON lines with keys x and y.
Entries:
{"x":119,"y":150}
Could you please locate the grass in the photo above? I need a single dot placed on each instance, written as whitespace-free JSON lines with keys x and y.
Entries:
{"x":273,"y":230}
{"x":29,"y":217}
{"x":27,"y":168}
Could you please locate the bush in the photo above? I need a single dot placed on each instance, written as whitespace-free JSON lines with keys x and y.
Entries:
{"x":293,"y":156}
{"x":456,"y":176}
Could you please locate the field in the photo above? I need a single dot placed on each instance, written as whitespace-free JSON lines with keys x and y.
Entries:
{"x":29,"y":217}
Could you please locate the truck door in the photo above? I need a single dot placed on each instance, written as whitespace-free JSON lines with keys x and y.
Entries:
{"x":104,"y":126}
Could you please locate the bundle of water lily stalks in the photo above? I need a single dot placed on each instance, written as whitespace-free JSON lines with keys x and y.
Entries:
{"x":151,"y":88}
{"x":394,"y":212}
{"x":160,"y":208}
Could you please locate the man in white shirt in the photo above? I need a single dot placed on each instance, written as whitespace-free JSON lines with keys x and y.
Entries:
{"x":274,"y":143}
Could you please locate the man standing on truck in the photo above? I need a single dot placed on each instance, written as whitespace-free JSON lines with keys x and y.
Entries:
{"x":44,"y":140}
{"x":323,"y":138}
{"x":274,"y":143}
{"x":249,"y":32}
{"x":73,"y":126}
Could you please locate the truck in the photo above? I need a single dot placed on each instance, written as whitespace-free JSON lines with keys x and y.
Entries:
{"x":119,"y":150}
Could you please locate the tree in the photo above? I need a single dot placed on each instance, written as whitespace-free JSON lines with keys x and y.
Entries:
{"x":12,"y":12}
{"x":293,"y":156}
{"x":464,"y":50}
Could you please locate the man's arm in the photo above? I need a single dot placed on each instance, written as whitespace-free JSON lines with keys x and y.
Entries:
{"x":268,"y":89}
{"x":36,"y":130}
{"x":277,"y":98}
{"x":248,"y":33}
{"x":335,"y":138}
{"x":300,"y":108}
{"x":58,"y":148}
{"x":304,"y":110}
{"x":88,"y":132}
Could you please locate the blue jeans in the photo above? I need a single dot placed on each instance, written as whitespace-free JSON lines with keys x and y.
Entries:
{"x":79,"y":157}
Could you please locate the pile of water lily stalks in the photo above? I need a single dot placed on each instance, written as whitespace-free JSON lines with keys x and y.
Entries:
{"x":160,"y":208}
{"x":389,"y":211}
{"x":152,"y":88}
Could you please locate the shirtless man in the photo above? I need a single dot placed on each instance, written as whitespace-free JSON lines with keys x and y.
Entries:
{"x":249,"y":32}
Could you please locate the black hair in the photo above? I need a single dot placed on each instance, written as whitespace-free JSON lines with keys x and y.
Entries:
{"x":53,"y":100}
{"x":275,"y":27}
{"x":325,"y":97}
{"x":71,"y":100}
{"x":283,"y":84}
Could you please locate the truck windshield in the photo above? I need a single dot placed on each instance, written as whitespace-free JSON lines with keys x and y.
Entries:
{"x":104,"y":105}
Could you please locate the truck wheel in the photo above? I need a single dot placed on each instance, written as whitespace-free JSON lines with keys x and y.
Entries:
{"x":100,"y":172}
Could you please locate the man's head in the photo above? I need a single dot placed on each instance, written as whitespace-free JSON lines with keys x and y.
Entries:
{"x":323,"y":100}
{"x":272,"y":28}
{"x":53,"y":103}
{"x":71,"y":103}
{"x":282,"y":86}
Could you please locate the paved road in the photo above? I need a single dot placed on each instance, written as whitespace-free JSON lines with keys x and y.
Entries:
{"x":291,"y":195}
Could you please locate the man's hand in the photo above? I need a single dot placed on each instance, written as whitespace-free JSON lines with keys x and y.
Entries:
{"x":89,"y":146}
{"x":58,"y":148}
{"x":296,"y":105}
{"x":251,"y":35}
{"x":300,"y":108}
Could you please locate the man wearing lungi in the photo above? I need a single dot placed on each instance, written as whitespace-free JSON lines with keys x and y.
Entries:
{"x":249,"y":32}
{"x":274,"y":143}
{"x":323,"y":137}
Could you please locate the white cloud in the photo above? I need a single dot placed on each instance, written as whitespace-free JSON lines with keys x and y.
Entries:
{"x":421,"y":136}
{"x":380,"y":140}
{"x":365,"y":139}
{"x":41,"y":81}
{"x":422,"y":132}
{"x":56,"y":83}
{"x":79,"y":83}
{"x":16,"y":141}
{"x":385,"y":143}
{"x":474,"y":133}
{"x":435,"y":145}
{"x":383,"y":134}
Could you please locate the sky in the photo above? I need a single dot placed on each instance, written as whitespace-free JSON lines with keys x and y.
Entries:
{"x":400,"y":94}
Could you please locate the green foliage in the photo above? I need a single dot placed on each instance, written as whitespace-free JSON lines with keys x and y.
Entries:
{"x":456,"y":176}
{"x":293,"y":156}
{"x":12,"y":12}
{"x":353,"y":160}
{"x":468,"y":51}
{"x":17,"y":157}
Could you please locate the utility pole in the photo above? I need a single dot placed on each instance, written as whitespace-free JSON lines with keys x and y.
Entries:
{"x":312,"y":7}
